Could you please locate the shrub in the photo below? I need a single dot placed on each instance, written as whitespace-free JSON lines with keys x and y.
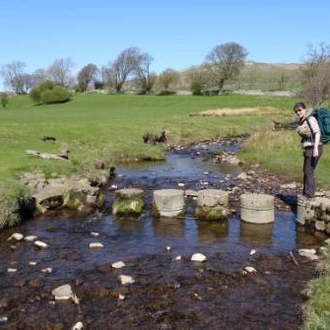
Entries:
{"x":48,"y":93}
{"x":4,"y":99}
{"x":166,"y":92}
{"x":196,"y":88}
{"x":56,"y":95}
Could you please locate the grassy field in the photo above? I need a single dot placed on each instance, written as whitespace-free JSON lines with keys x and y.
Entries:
{"x":110,"y":128}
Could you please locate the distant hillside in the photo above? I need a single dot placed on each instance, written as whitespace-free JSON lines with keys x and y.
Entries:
{"x":256,"y":75}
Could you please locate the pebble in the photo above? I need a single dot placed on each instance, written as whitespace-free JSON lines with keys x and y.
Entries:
{"x":118,"y":264}
{"x":62,"y":292}
{"x":16,"y":236}
{"x":3,"y":319}
{"x":41,"y":244}
{"x":126,"y":279}
{"x":198,"y":257}
{"x":96,"y":245}
{"x":12,"y":270}
{"x":47,"y":270}
{"x":30,"y":238}
{"x":78,"y":326}
{"x":250,"y":269}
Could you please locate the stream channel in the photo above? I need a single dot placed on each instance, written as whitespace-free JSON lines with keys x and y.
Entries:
{"x":170,"y":291}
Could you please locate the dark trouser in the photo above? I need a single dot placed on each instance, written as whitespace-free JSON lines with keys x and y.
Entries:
{"x":310,"y":163}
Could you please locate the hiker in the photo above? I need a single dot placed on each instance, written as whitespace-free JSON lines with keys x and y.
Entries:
{"x":309,"y":131}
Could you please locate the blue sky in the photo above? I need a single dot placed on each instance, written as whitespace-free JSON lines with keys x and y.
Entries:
{"x":177,"y":34}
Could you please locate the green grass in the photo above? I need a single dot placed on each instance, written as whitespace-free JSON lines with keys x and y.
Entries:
{"x":108,"y":127}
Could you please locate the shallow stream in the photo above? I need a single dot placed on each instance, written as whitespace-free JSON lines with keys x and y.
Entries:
{"x":168,"y":293}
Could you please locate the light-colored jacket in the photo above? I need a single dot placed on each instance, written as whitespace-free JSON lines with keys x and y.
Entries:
{"x":307,"y":128}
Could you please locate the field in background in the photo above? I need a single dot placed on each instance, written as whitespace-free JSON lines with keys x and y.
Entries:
{"x":110,"y":128}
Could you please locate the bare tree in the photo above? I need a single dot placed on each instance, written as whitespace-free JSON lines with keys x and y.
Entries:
{"x":60,"y":72}
{"x":225,"y":62}
{"x":146,"y":78}
{"x":86,"y":76}
{"x":15,"y":78}
{"x":316,"y":75}
{"x":118,"y":72}
{"x":39,"y":76}
{"x":168,"y":77}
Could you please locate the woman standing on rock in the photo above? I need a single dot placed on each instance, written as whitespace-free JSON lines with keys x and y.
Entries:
{"x":309,"y":131}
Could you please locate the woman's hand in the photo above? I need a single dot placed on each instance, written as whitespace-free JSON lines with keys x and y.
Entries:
{"x":317,"y":138}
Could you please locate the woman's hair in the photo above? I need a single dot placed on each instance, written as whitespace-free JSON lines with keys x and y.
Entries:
{"x":299,"y":105}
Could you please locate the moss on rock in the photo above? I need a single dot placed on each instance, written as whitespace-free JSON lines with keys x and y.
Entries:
{"x":211,"y":213}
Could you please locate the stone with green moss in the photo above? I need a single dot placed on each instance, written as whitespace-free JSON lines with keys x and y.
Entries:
{"x":211,"y":213}
{"x":129,"y":201}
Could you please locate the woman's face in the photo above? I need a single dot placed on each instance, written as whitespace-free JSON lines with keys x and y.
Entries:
{"x":300,"y":112}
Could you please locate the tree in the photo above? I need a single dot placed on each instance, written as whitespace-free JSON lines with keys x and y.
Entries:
{"x":60,"y":72}
{"x":316,"y":75}
{"x":86,"y":75}
{"x":39,"y":76}
{"x":168,"y":77}
{"x":118,"y":72}
{"x":15,"y":78}
{"x":146,"y":78}
{"x":225,"y":62}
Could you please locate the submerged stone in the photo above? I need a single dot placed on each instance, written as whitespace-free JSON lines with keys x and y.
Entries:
{"x":62,"y":292}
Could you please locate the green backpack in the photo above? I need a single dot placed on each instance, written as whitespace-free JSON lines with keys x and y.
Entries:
{"x":322,"y":116}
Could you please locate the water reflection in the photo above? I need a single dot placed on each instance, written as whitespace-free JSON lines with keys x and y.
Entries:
{"x":211,"y":232}
{"x":125,"y":225}
{"x":259,"y":234}
{"x":169,"y":227}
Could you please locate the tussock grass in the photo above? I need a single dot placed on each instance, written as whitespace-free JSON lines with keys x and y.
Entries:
{"x":11,"y":192}
{"x":278,"y":151}
{"x":267,"y":142}
{"x":256,"y":111}
{"x":317,"y":307}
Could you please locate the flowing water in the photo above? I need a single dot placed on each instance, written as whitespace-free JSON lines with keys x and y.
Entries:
{"x":170,"y":292}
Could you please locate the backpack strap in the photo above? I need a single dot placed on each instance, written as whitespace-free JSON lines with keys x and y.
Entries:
{"x":310,"y":127}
